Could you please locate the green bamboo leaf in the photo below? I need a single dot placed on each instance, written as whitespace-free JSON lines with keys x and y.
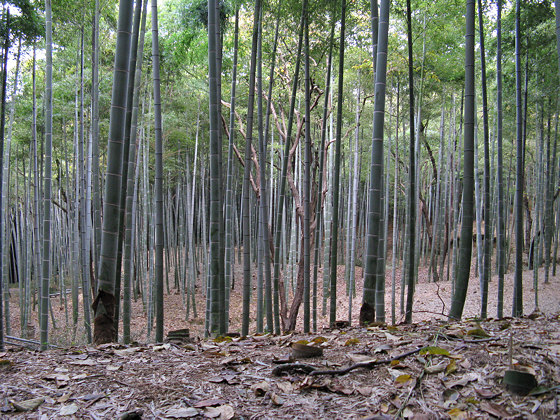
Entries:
{"x":433,"y":350}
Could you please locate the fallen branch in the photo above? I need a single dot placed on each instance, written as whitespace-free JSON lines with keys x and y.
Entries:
{"x":293,"y":368}
{"x":409,"y":395}
{"x":364,"y":365}
{"x":470,"y":341}
{"x":481,"y":340}
{"x":22,"y":342}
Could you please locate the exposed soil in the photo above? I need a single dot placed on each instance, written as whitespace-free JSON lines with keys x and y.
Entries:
{"x":431,"y":302}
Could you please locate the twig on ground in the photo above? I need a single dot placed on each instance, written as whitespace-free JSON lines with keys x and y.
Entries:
{"x":294,"y":368}
{"x":409,"y":395}
{"x":430,"y":312}
{"x":11,"y":340}
{"x":364,"y":365}
{"x":481,"y":340}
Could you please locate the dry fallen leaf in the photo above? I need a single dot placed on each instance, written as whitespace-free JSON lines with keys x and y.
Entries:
{"x":525,"y":368}
{"x":231,"y":379}
{"x":276,"y":399}
{"x":286,"y":387}
{"x":61,"y":379}
{"x":181,"y":412}
{"x":458,"y":414}
{"x":466,"y":364}
{"x":477,"y":332}
{"x":365,"y":390}
{"x":402,"y":379}
{"x":68,"y":410}
{"x":486,"y":393}
{"x":86,"y":362}
{"x":451,"y":367}
{"x":450,"y":397}
{"x":127,"y":351}
{"x":340,"y":389}
{"x":360,"y":358}
{"x":226,"y":412}
{"x":555,"y":349}
{"x":384,"y":348}
{"x":91,"y":397}
{"x":494,"y":409}
{"x":407,"y":413}
{"x":28,"y":405}
{"x":394,"y":373}
{"x":165,"y":346}
{"x":64,"y":398}
{"x":435,"y":368}
{"x":211,"y":412}
{"x":469,"y":377}
{"x":352,"y":342}
{"x":223,"y":412}
{"x":455,"y":331}
{"x":209,"y":403}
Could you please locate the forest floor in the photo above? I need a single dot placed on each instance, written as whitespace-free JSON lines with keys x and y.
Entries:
{"x":459,"y":376}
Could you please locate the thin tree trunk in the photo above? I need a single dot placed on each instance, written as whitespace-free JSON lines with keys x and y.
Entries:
{"x":246,"y":174}
{"x":263,"y":140}
{"x":307,"y":185}
{"x":46,"y":266}
{"x":352,"y":226}
{"x":158,"y":177}
{"x":320,"y":189}
{"x":488,"y":230}
{"x":436,"y":226}
{"x":336,"y":175}
{"x":500,"y":165}
{"x":478,"y":212}
{"x":81,"y":194}
{"x":373,"y":302}
{"x":36,"y":190}
{"x":229,"y":244}
{"x":517,"y":309}
{"x":281,"y":198}
{"x":534,"y":251}
{"x":465,"y":251}
{"x":5,"y":179}
{"x":95,"y":146}
{"x":2,"y":126}
{"x":411,"y":219}
{"x":328,"y":208}
{"x":549,"y":206}
{"x":395,"y":211}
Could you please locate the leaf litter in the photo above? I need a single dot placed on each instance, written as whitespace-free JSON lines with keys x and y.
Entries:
{"x":431,"y":369}
{"x":458,"y":374}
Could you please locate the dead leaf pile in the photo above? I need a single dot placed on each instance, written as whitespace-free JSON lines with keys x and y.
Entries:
{"x":447,"y":371}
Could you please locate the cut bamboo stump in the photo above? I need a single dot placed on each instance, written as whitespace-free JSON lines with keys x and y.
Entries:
{"x":181,"y":336}
{"x":303,"y":351}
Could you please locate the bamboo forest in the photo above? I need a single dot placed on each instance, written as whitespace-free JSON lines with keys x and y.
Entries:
{"x":203,"y":176}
